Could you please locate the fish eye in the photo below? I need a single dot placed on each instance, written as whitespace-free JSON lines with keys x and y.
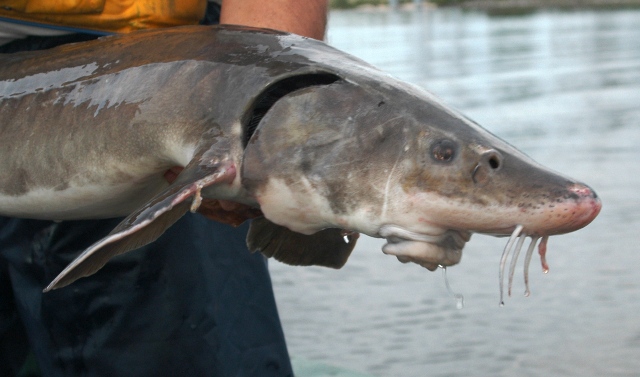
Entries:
{"x":444,"y":150}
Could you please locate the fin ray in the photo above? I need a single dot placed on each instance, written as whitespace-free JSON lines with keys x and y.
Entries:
{"x":147,"y":223}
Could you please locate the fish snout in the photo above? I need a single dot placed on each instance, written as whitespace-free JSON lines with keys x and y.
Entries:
{"x":582,"y":191}
{"x":577,"y":209}
{"x":588,"y":204}
{"x":490,"y":162}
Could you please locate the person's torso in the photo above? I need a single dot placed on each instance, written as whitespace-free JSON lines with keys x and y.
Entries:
{"x":43,"y":17}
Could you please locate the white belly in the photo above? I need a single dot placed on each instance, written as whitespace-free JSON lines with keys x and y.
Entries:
{"x":88,"y":201}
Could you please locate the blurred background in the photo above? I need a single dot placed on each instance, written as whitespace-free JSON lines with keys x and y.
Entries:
{"x":562,"y":84}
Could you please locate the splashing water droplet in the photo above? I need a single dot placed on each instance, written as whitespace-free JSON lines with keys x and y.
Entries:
{"x":349,"y":236}
{"x":457,"y":296}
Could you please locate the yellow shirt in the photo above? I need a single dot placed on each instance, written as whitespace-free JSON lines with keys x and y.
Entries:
{"x":120,"y":16}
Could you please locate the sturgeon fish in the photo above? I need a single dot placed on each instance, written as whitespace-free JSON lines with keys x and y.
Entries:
{"x":324,"y":144}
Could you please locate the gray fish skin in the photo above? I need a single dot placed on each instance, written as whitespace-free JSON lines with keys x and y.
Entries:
{"x":88,"y":130}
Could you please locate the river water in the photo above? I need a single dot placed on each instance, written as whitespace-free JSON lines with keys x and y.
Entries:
{"x":564,"y":87}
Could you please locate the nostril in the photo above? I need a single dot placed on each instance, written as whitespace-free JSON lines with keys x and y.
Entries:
{"x":494,"y":163}
{"x":490,"y":162}
{"x":493,"y":158}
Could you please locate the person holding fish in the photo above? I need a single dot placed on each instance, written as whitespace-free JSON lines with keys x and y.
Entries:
{"x":194,"y":303}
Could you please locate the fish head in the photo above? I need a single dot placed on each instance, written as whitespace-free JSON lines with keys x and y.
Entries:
{"x":372,"y":154}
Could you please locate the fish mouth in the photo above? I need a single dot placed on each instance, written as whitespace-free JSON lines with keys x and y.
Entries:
{"x":445,"y":249}
{"x":442,"y":247}
{"x":428,"y":250}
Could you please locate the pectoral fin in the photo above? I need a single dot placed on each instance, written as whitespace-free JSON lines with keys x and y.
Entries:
{"x":328,"y":247}
{"x":149,"y":222}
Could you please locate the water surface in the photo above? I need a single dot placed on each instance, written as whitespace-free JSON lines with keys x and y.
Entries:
{"x":565,"y":88}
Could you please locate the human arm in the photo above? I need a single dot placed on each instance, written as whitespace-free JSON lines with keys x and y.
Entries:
{"x":307,"y":18}
{"x":303,"y":17}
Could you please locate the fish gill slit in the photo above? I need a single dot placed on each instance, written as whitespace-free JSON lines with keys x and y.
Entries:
{"x":276,"y":91}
